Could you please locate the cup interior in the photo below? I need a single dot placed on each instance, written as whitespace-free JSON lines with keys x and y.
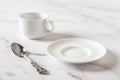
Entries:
{"x":33,"y":15}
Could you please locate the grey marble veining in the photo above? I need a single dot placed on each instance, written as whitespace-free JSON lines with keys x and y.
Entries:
{"x":93,"y":19}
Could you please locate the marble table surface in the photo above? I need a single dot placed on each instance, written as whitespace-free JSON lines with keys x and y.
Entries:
{"x":93,"y":19}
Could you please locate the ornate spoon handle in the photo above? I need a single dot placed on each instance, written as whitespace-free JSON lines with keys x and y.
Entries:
{"x":39,"y":69}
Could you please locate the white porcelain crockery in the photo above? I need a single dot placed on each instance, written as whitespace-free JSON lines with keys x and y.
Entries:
{"x":76,"y":50}
{"x":35,"y":25}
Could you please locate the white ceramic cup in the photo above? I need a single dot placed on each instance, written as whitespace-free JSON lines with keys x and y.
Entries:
{"x":35,"y":25}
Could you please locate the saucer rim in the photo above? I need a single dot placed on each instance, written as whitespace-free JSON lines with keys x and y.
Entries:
{"x":76,"y":62}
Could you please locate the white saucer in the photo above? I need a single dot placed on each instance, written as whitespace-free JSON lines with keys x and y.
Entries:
{"x":76,"y":50}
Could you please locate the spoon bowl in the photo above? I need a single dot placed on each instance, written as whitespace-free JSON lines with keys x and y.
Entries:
{"x":17,"y":49}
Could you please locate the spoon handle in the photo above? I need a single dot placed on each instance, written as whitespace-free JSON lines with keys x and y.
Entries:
{"x":39,"y":69}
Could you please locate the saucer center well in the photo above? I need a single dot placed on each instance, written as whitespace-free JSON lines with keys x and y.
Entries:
{"x":76,"y":52}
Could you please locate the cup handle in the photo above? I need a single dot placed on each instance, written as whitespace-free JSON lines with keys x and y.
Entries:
{"x":49,"y":25}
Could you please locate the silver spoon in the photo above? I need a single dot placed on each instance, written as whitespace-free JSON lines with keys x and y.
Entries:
{"x":19,"y":51}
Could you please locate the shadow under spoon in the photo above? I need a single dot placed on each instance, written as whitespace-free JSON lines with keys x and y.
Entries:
{"x":18,"y":50}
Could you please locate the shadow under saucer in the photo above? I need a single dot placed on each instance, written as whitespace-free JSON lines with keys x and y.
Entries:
{"x":106,"y":63}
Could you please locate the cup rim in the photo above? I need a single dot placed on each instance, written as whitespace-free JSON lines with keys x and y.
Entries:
{"x":21,"y":16}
